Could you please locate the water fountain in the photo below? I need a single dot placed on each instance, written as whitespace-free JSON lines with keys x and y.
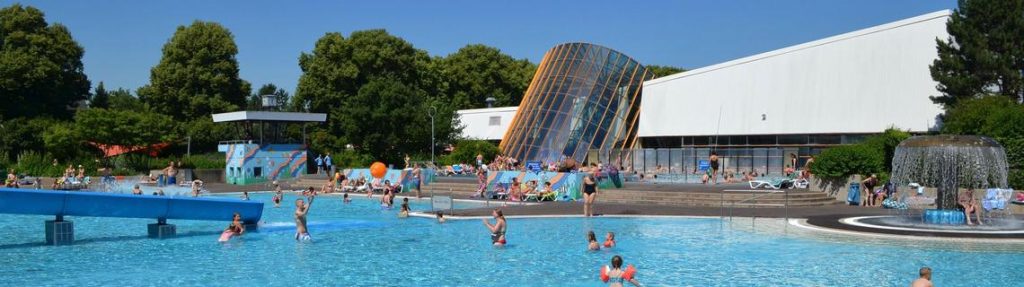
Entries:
{"x":949,"y":163}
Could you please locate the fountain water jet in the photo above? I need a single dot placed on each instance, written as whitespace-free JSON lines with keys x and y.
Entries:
{"x":950,"y":163}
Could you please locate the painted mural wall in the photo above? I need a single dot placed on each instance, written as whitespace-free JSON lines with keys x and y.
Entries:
{"x":254,"y":163}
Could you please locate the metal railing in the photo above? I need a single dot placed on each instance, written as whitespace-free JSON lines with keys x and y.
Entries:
{"x":753,"y":199}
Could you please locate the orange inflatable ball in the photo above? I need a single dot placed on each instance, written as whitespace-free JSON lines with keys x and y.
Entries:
{"x":378,"y":169}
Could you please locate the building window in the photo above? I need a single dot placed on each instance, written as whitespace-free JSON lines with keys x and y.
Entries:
{"x":495,"y":121}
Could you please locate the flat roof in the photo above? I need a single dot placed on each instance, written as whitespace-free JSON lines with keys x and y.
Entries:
{"x":269,"y":116}
{"x":807,"y":45}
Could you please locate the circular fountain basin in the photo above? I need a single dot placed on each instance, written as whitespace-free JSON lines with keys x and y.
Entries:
{"x":944,"y":217}
{"x":1006,"y":227}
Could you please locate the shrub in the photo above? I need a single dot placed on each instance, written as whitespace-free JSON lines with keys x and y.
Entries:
{"x":843,"y":161}
{"x":886,"y":143}
{"x":467,"y":150}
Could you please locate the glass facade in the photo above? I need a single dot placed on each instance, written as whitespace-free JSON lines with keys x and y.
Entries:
{"x":583,"y":97}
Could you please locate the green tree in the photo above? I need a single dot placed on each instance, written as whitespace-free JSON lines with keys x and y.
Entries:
{"x":122,"y":99}
{"x":843,"y":161}
{"x":997,"y":117}
{"x":466,"y":150}
{"x":661,"y":71}
{"x":123,"y":127}
{"x":41,"y":71}
{"x":20,"y":135}
{"x":100,"y":98}
{"x":376,"y":89}
{"x":983,"y":55}
{"x":256,"y":101}
{"x":477,"y":72}
{"x":197,"y":75}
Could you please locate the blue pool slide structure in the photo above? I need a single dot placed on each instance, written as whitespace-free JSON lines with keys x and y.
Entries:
{"x":96,"y":204}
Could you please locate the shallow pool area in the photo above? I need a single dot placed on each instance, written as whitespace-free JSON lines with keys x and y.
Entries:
{"x":359,"y":244}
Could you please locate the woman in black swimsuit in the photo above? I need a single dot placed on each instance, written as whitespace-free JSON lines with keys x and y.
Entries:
{"x":713,"y":159}
{"x":589,"y":194}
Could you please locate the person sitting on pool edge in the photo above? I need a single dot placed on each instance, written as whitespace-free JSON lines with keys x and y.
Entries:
{"x":301,"y":209}
{"x":615,"y":276}
{"x":592,"y":244}
{"x":609,"y":240}
{"x":497,"y":229}
{"x":970,"y":205}
{"x":234,"y":229}
{"x":925,"y":279}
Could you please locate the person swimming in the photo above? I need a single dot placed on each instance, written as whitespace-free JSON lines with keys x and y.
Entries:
{"x":245,"y":195}
{"x":405,"y":210}
{"x":498,"y":229}
{"x":301,"y":209}
{"x":609,"y":240}
{"x":234,"y":229}
{"x":440,"y":218}
{"x":345,"y":198}
{"x":615,"y":276}
{"x":592,"y":244}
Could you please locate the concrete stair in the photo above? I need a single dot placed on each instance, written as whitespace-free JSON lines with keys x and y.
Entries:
{"x":634,"y":195}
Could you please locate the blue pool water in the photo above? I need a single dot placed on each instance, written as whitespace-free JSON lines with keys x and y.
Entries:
{"x":360,"y":244}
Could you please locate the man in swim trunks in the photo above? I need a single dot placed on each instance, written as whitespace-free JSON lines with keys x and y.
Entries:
{"x":925,"y":280}
{"x":301,"y":209}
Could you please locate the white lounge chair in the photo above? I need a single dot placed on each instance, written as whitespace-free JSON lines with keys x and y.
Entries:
{"x":774,"y":184}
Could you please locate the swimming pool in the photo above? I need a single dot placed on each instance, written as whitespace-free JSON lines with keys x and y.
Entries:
{"x":360,"y":244}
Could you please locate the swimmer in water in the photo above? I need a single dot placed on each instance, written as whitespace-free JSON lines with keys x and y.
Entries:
{"x":616,"y":276}
{"x":592,"y":242}
{"x":301,"y":209}
{"x":345,"y":198}
{"x":440,"y":218}
{"x":245,"y":195}
{"x":497,"y":229}
{"x":609,"y":240}
{"x":405,"y":210}
{"x":278,"y":195}
{"x":234,"y":229}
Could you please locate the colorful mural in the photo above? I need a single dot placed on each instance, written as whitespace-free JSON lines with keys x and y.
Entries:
{"x":567,"y":182}
{"x":253,"y":163}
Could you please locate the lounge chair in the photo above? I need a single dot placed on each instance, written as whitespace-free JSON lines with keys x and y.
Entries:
{"x":499,"y":191}
{"x":773,"y":184}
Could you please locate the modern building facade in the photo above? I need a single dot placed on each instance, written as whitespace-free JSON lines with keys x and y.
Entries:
{"x":583,"y":98}
{"x":757,"y":113}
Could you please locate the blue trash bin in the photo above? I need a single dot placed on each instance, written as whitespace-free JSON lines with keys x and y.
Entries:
{"x":853,"y":196}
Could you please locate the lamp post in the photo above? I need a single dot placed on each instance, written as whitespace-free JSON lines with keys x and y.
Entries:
{"x":431,"y":112}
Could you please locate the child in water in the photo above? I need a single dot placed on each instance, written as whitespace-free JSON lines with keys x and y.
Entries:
{"x":405,"y":208}
{"x":345,"y":198}
{"x":592,"y":242}
{"x":609,"y":240}
{"x":234,"y":229}
{"x":616,"y":276}
{"x":440,"y":218}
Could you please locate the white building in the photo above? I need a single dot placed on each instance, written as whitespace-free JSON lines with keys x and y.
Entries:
{"x":486,"y":124}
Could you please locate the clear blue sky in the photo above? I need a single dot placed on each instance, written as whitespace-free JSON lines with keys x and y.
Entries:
{"x":123,"y":38}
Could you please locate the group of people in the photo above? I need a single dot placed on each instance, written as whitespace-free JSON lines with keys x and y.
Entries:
{"x":324,"y":164}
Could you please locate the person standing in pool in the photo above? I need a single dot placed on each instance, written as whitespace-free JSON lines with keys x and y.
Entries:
{"x":416,"y":175}
{"x":497,"y":229}
{"x":278,"y":195}
{"x":301,"y":209}
{"x":589,"y":195}
{"x":713,"y":161}
{"x":616,"y":276}
{"x":925,"y":279}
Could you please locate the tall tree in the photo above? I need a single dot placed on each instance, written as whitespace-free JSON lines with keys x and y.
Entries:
{"x":661,"y":71}
{"x":375,"y":88}
{"x":256,"y":101}
{"x":100,"y":98}
{"x":984,"y":54}
{"x":122,"y":99}
{"x":197,"y":75}
{"x":477,"y":72}
{"x":40,"y":66}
